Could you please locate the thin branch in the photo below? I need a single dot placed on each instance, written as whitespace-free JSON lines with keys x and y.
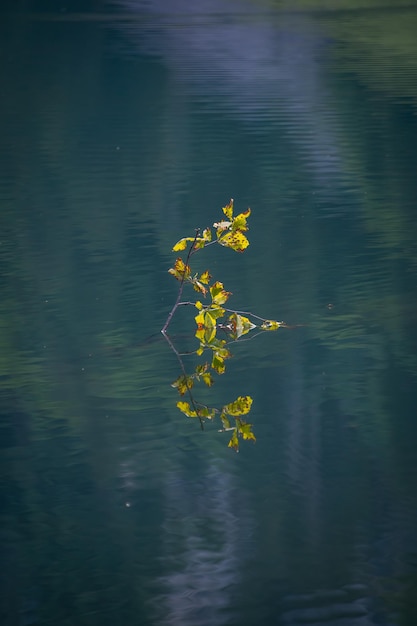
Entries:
{"x":181,"y":287}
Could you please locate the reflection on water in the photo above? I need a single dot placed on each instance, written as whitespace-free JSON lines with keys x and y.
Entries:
{"x":119,"y":139}
{"x":207,"y":537}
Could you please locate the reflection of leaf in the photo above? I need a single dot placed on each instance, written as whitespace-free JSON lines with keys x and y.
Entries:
{"x":185,"y":408}
{"x":218,"y":364}
{"x":271,"y":325}
{"x":240,"y":325}
{"x":234,"y":441}
{"x":183,"y":383}
{"x":241,"y":406}
{"x":245,"y":430}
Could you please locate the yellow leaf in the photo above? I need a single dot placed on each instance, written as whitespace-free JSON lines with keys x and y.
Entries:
{"x":240,"y":325}
{"x":234,"y":442}
{"x":271,"y":325}
{"x":205,"y":277}
{"x":183,"y":384}
{"x":185,"y":408}
{"x":198,"y":305}
{"x":235,"y":240}
{"x":228,"y":209}
{"x":241,"y":406}
{"x":180,"y":245}
{"x":218,"y":364}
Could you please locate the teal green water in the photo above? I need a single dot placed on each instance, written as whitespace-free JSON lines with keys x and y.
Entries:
{"x":122,"y":130}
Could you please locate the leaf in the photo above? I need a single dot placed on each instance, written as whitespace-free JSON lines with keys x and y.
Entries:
{"x":228,"y":209}
{"x":205,"y":277}
{"x":218,"y":364}
{"x":185,"y":408}
{"x":181,"y":244}
{"x":206,"y":327}
{"x":181,"y":271}
{"x":234,"y":442}
{"x":241,"y":406}
{"x":198,"y":305}
{"x":225,"y":420}
{"x":183,"y":384}
{"x":271,"y":325}
{"x":235,"y":240}
{"x":206,"y":412}
{"x":208,"y":379}
{"x":245,"y":430}
{"x":239,"y":222}
{"x":198,"y":286}
{"x":207,"y":234}
{"x":240,"y":325}
{"x":218,"y":294}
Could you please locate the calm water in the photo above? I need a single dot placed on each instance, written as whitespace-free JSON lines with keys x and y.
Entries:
{"x":122,"y":130}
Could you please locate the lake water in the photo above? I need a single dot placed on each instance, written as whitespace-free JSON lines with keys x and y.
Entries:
{"x":124,"y":128}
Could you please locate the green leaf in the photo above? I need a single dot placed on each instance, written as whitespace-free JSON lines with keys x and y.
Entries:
{"x":205,"y":277}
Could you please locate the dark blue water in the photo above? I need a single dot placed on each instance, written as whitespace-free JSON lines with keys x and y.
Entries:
{"x":124,"y":128}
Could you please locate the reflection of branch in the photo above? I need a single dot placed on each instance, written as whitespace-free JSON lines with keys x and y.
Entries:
{"x":190,"y":395}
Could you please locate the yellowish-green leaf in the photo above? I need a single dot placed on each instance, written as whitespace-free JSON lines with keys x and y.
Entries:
{"x":241,"y":406}
{"x":207,"y":234}
{"x":239,"y":222}
{"x":206,"y":327}
{"x":185,"y":408}
{"x":205,"y":277}
{"x":235,"y":240}
{"x":218,"y":364}
{"x":206,"y":412}
{"x":225,"y":420}
{"x":218,"y":294}
{"x":208,"y":379}
{"x":198,"y":305}
{"x":271,"y":325}
{"x":234,"y":442}
{"x":245,"y":430}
